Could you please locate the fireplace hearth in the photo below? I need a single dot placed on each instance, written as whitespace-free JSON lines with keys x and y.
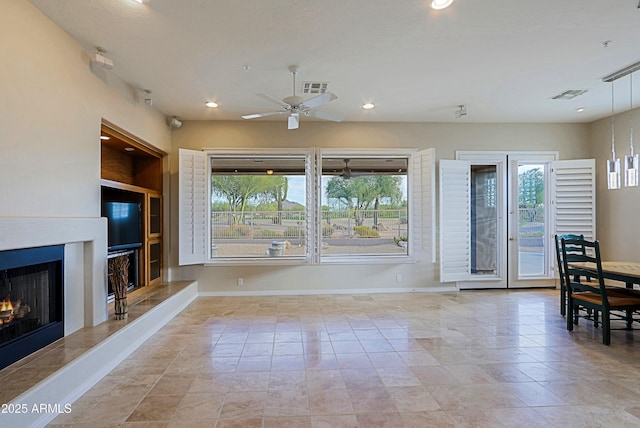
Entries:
{"x":31,"y":301}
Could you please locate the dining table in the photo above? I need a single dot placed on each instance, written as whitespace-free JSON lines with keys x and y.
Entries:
{"x":626,"y":272}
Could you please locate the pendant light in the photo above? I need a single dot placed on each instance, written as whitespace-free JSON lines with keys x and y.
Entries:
{"x":613,"y":165}
{"x":631,"y":160}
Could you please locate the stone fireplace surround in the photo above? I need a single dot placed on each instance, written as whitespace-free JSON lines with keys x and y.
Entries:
{"x":85,"y":306}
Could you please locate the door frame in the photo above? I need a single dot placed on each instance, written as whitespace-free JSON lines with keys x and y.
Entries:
{"x":505,"y":192}
{"x":513,"y":278}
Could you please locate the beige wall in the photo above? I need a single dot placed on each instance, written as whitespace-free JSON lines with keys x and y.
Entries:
{"x":569,"y":140}
{"x":50,"y":113}
{"x":618,"y":211}
{"x":51,"y":107}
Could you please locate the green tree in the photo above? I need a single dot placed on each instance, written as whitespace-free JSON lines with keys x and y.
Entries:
{"x":361,"y":193}
{"x":238,"y":190}
{"x":276,"y":190}
{"x":531,"y":191}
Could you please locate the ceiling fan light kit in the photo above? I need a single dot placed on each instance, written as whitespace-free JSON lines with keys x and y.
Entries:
{"x":295,"y":105}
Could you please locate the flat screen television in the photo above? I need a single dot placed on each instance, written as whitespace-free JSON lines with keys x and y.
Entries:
{"x":124,"y":226}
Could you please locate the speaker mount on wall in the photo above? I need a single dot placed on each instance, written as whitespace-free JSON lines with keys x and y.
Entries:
{"x":174,"y":122}
{"x":101,"y":60}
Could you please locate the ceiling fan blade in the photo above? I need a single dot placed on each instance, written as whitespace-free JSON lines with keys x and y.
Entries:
{"x":257,"y":115}
{"x":327,"y":116}
{"x":316,"y":101}
{"x":274,"y":100}
{"x":294,"y":121}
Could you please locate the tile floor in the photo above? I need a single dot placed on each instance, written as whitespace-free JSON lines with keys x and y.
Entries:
{"x":468,"y":359}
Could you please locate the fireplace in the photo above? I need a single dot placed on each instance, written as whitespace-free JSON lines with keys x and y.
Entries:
{"x":31,"y":301}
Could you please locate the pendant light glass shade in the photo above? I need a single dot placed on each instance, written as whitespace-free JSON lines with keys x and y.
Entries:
{"x":613,"y":174}
{"x":631,"y":170}
{"x":631,"y":160}
{"x":613,"y":165}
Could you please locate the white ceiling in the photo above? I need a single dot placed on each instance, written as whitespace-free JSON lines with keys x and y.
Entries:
{"x":503,"y":59}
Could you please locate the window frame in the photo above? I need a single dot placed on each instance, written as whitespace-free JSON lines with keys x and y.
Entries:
{"x":309,"y":159}
{"x":420,"y":207}
{"x":371,"y":154}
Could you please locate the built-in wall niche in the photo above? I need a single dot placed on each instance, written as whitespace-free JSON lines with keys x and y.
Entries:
{"x":131,"y":172}
{"x":124,"y":160}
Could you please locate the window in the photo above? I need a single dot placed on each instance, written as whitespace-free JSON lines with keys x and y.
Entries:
{"x":364,"y":206}
{"x":258,"y":207}
{"x":305,"y":206}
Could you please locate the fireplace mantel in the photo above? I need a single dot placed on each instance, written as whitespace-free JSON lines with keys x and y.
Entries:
{"x":85,"y":241}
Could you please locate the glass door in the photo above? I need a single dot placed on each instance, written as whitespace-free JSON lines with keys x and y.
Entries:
{"x":528,"y":228}
{"x":487,"y":228}
{"x":484,"y":220}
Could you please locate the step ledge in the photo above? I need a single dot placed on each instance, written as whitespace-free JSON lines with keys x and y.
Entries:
{"x":55,"y":394}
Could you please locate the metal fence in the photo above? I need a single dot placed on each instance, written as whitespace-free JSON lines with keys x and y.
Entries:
{"x":531,"y":228}
{"x":251,"y":225}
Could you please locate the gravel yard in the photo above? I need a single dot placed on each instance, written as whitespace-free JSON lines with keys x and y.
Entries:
{"x":260,"y":249}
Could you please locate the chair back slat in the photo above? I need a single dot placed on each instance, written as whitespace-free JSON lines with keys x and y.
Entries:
{"x":571,"y":249}
{"x":571,"y":270}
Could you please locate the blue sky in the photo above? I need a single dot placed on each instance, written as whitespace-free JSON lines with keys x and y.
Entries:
{"x":297,"y":191}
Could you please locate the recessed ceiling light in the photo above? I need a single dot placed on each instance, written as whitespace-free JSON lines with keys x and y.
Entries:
{"x":580,"y":109}
{"x":141,"y":1}
{"x":368,"y":106}
{"x":105,"y":137}
{"x":440,"y":4}
{"x":129,"y":149}
{"x":211,"y":104}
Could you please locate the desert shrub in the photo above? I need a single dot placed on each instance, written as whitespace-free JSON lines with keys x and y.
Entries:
{"x":398,"y":239}
{"x":366,"y":232}
{"x":235,"y":231}
{"x":268,"y":233}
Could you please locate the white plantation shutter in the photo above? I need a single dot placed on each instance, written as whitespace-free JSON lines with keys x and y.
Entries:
{"x":574,"y":197}
{"x":422,"y":206}
{"x":314,"y":227}
{"x":455,"y":221}
{"x":192,"y":184}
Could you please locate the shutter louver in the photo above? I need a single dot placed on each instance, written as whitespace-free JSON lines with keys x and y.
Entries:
{"x":455,"y":212}
{"x":192,"y":183}
{"x":574,"y":197}
{"x":422,"y":215}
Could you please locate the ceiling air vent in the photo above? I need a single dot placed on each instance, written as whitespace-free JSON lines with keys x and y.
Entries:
{"x":570,"y":94}
{"x":314,"y":87}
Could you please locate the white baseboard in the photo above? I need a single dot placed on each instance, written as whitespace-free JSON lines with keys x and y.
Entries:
{"x":249,"y":293}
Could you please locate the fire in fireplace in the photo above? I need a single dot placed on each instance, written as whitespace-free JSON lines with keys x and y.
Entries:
{"x":10,"y":311}
{"x":31,"y":301}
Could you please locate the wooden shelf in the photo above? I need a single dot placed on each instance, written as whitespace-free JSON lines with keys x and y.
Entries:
{"x":131,"y":171}
{"x":126,"y":187}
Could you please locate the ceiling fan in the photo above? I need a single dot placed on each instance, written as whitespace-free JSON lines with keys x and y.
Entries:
{"x":295,"y":106}
{"x":348,"y":173}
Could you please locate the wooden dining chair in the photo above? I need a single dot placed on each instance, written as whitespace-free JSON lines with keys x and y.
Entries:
{"x":594,"y":295}
{"x":563,"y":284}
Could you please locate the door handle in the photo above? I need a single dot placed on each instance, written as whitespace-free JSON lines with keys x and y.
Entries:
{"x":511,"y":238}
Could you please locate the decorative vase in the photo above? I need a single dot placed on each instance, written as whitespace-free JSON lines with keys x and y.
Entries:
{"x":119,"y":271}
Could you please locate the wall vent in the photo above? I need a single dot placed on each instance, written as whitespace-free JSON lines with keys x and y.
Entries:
{"x":570,"y":94}
{"x":314,"y":87}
